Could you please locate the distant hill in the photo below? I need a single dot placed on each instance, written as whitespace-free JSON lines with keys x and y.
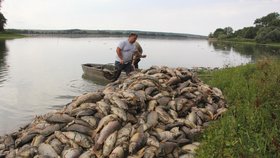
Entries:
{"x":104,"y":33}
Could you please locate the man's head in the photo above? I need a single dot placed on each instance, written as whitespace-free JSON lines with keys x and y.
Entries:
{"x":132,"y":37}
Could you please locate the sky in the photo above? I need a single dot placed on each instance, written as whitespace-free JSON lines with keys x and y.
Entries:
{"x":181,"y":16}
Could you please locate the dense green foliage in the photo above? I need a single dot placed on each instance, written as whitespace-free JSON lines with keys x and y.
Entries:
{"x":3,"y":20}
{"x":251,"y":127}
{"x":266,"y":30}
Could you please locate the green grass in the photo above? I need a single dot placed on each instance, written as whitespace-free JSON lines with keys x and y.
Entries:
{"x":10,"y":35}
{"x":245,"y":41}
{"x":251,"y":127}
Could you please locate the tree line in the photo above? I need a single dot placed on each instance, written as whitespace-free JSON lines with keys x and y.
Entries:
{"x":3,"y":20}
{"x":265,"y":30}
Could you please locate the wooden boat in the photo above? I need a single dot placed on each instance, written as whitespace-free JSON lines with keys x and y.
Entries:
{"x":100,"y":73}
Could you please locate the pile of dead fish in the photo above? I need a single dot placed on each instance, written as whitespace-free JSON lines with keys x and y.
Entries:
{"x":157,"y":112}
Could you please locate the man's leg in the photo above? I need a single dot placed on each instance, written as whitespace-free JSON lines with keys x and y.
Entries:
{"x":128,"y":68}
{"x":118,"y":70}
{"x":136,"y":63}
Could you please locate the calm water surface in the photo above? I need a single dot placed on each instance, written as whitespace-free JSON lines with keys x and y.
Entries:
{"x":38,"y":75}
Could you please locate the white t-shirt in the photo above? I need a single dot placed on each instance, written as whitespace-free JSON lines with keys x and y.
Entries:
{"x":127,"y":50}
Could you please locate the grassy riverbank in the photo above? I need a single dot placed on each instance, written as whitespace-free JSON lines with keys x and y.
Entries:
{"x":251,"y":127}
{"x":244,"y":41}
{"x":10,"y":35}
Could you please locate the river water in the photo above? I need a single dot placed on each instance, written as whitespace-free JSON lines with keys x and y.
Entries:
{"x":41,"y":74}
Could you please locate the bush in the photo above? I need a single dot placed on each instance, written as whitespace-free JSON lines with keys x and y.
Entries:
{"x":268,"y":34}
{"x":251,"y":127}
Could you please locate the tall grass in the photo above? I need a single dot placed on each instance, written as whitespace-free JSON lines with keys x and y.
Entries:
{"x":10,"y":35}
{"x":251,"y":127}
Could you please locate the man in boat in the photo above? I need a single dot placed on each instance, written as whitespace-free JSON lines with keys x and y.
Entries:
{"x":138,"y":54}
{"x":125,"y":51}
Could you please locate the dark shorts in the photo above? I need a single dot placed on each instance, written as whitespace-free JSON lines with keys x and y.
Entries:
{"x":127,"y":68}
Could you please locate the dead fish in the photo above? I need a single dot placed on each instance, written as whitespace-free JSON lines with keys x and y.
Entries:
{"x":167,"y":135}
{"x":47,"y":150}
{"x":61,"y":137}
{"x":71,"y":153}
{"x":190,"y":148}
{"x":109,"y":144}
{"x":152,"y":105}
{"x":124,"y":134}
{"x":9,"y":141}
{"x":173,"y":80}
{"x":152,"y":119}
{"x":26,"y":138}
{"x":38,"y":140}
{"x":105,"y":132}
{"x":150,"y":152}
{"x":137,"y":141}
{"x":175,"y":124}
{"x":51,"y":128}
{"x":87,"y":98}
{"x":163,"y":100}
{"x":103,"y":107}
{"x":81,"y":139}
{"x":131,"y":118}
{"x":139,"y":154}
{"x":58,"y":118}
{"x":57,"y":146}
{"x":164,"y":116}
{"x":90,"y":120}
{"x":187,"y":156}
{"x":87,"y":154}
{"x":137,"y":86}
{"x":104,"y":121}
{"x":152,"y":141}
{"x":85,"y":112}
{"x":119,"y":112}
{"x":27,"y":151}
{"x":153,"y":71}
{"x":166,"y":148}
{"x":120,"y":103}
{"x":192,"y":117}
{"x":148,"y":83}
{"x":118,"y":152}
{"x":79,"y":128}
{"x":219,"y":112}
{"x":188,"y":90}
{"x":150,"y":90}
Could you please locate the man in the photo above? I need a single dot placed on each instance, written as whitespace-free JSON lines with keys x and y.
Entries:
{"x":125,"y":51}
{"x":137,"y":55}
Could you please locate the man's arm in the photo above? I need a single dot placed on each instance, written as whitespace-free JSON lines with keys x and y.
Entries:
{"x":119,"y":53}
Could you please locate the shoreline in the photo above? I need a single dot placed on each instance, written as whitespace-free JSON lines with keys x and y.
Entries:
{"x":249,"y":42}
{"x":10,"y":35}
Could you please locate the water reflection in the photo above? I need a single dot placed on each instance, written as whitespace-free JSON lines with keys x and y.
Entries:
{"x":3,"y":62}
{"x":248,"y":50}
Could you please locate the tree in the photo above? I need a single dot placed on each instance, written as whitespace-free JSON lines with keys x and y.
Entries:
{"x":272,"y":19}
{"x":228,"y":31}
{"x":251,"y":32}
{"x":3,"y":20}
{"x":268,"y":34}
{"x":218,"y":32}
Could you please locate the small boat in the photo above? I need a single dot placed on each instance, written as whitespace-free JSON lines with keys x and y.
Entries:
{"x":100,"y":73}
